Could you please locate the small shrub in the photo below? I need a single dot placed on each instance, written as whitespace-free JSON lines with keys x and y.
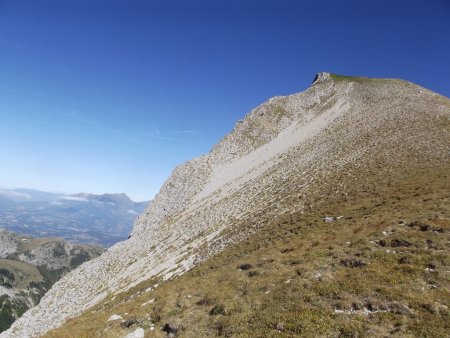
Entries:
{"x":245,"y":266}
{"x":217,"y":310}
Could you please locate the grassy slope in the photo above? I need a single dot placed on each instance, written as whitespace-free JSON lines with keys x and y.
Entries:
{"x":24,"y":273}
{"x":33,"y":243}
{"x":329,"y":266}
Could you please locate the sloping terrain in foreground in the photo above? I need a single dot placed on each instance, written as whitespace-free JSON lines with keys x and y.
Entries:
{"x":321,"y":213}
{"x":381,"y":269}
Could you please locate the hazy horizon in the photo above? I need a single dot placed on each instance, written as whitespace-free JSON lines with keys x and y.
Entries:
{"x":65,"y":193}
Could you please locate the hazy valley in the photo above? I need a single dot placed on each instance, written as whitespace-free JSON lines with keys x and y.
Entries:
{"x":44,"y":235}
{"x":80,"y":218}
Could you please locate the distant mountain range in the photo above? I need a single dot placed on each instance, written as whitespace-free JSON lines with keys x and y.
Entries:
{"x":80,"y":218}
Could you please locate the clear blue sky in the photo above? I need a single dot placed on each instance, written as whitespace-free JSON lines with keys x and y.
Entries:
{"x":108,"y":96}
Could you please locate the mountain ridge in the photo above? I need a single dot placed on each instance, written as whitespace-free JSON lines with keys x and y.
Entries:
{"x":278,"y":155}
{"x":84,"y":218}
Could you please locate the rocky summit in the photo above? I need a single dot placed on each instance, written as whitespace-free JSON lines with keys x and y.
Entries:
{"x":322,"y":213}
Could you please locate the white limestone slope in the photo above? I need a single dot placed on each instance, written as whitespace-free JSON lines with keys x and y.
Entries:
{"x":8,"y":245}
{"x":185,"y":223}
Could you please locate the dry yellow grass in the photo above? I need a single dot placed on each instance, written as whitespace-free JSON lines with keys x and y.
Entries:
{"x":23,"y":272}
{"x":302,"y":276}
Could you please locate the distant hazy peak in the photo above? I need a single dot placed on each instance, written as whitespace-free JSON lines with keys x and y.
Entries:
{"x":119,"y":197}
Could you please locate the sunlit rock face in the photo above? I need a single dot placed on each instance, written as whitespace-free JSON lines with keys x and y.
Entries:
{"x":283,"y":149}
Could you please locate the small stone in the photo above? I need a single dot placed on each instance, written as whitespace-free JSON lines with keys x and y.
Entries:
{"x":138,"y":333}
{"x":432,"y":265}
{"x":148,"y":302}
{"x":280,"y":327}
{"x":381,"y":242}
{"x":114,"y":317}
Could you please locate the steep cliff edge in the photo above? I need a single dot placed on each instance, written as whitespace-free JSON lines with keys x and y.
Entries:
{"x":281,"y":159}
